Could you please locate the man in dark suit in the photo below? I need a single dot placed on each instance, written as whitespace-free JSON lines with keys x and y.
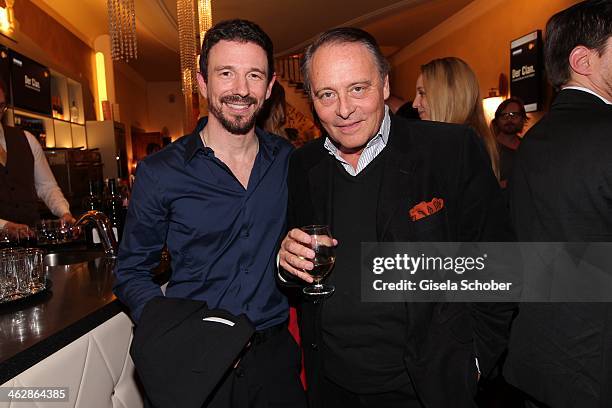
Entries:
{"x":363,"y":178}
{"x":561,"y":354}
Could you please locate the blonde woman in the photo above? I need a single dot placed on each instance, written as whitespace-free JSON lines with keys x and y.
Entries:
{"x":273,"y":116}
{"x":447,"y":90}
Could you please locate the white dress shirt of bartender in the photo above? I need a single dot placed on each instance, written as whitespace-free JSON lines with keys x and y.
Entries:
{"x":44,"y":183}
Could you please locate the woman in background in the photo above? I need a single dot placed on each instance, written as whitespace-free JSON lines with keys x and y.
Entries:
{"x":273,"y":116}
{"x":447,"y":90}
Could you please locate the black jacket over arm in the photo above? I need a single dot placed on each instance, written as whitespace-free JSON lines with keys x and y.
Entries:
{"x":425,"y":160}
{"x":561,"y":190}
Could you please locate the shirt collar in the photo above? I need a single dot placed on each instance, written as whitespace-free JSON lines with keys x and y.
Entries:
{"x":2,"y":139}
{"x":381,"y":136}
{"x":268,"y":144}
{"x":580,"y":88}
{"x":194,"y":143}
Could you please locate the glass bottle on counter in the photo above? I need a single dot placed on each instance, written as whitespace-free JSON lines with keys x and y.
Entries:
{"x":74,"y":113}
{"x":92,"y":203}
{"x":114,"y":208}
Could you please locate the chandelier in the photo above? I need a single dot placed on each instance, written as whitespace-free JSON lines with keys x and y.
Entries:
{"x":205,"y":17}
{"x":193,"y":22}
{"x":194,"y":19}
{"x":122,"y":29}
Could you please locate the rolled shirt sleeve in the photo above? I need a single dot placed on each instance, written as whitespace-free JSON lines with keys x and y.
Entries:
{"x":44,"y":181}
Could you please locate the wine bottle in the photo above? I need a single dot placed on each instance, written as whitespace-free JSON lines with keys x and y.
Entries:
{"x":74,"y":113}
{"x":114,"y":208}
{"x":92,"y":203}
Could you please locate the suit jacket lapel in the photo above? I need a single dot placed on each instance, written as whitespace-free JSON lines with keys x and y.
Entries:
{"x":397,"y":185}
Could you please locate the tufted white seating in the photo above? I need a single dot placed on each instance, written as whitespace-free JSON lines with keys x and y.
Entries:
{"x":96,"y":367}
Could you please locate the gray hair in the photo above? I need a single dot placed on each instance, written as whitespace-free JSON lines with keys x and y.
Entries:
{"x":344,"y":35}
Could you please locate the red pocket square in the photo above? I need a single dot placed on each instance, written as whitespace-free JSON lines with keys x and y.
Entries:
{"x":425,"y":209}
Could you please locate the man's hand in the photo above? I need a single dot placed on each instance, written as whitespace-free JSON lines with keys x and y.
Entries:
{"x":15,"y":230}
{"x":295,"y":252}
{"x":68,"y":219}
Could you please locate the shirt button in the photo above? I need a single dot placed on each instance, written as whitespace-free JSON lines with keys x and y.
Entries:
{"x":314,"y":346}
{"x":245,"y":234}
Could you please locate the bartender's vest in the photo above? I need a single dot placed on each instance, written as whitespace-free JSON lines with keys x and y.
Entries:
{"x":18,"y":199}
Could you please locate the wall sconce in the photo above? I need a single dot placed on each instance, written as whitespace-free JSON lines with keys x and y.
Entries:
{"x":101,"y":82}
{"x":490,"y":104}
{"x":496,"y":96}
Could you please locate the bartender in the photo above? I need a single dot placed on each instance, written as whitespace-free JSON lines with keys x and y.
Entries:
{"x":25,"y":175}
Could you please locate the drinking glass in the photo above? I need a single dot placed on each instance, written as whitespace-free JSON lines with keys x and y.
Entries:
{"x":3,"y":282}
{"x":26,"y":237}
{"x":11,"y":273}
{"x":322,"y":244}
{"x":36,"y":267}
{"x":49,"y":232}
{"x":5,"y":239}
{"x":19,"y":263}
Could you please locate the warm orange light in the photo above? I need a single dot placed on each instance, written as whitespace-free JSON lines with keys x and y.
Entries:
{"x":101,"y":80}
{"x":490,"y":105}
{"x":5,"y":24}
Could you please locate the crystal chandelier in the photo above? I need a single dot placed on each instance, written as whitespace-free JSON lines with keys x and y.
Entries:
{"x":122,"y":29}
{"x":188,"y":47}
{"x":205,"y":17}
{"x":193,"y":22}
{"x":194,"y":19}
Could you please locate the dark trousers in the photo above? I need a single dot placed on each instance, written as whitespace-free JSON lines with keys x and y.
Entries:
{"x":267,"y":376}
{"x":334,"y":396}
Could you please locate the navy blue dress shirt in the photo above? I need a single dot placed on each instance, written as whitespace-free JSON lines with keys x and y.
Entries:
{"x":222,"y":238}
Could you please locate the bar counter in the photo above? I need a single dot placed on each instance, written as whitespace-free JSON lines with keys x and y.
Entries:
{"x":78,"y":300}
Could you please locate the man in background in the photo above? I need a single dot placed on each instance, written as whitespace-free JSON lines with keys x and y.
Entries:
{"x":25,"y":176}
{"x":508,"y":122}
{"x":398,"y":106}
{"x":560,"y":354}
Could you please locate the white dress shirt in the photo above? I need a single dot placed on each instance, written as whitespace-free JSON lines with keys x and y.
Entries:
{"x":580,"y":88}
{"x":369,"y":153}
{"x":44,"y":182}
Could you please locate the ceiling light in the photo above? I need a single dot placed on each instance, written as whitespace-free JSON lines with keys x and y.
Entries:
{"x":122,"y":29}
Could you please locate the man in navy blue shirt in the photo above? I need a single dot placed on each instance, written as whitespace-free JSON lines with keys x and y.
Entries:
{"x":217,"y":198}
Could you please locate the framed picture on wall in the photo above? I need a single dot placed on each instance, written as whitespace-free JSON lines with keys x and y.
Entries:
{"x":527,"y":70}
{"x":30,"y":83}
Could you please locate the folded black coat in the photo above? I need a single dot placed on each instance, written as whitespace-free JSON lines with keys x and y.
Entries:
{"x":182,"y":349}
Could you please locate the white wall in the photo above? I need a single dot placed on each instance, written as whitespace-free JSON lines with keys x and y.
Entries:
{"x":166,"y":108}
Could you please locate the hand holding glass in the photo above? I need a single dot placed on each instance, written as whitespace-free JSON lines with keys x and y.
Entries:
{"x":322,"y":243}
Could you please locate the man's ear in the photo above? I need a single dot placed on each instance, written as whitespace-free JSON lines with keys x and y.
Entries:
{"x":202,"y":85}
{"x":270,"y":85}
{"x":386,"y":88}
{"x":580,"y":60}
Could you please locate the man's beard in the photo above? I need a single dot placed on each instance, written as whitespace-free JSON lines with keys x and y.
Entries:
{"x":240,"y":125}
{"x":512,"y":128}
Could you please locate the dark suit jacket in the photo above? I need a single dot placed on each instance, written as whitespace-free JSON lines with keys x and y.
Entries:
{"x":424,"y":160}
{"x":182,"y":349}
{"x":561,"y":190}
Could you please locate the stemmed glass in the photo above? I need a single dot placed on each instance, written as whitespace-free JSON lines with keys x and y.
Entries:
{"x":5,"y":239}
{"x":322,"y":244}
